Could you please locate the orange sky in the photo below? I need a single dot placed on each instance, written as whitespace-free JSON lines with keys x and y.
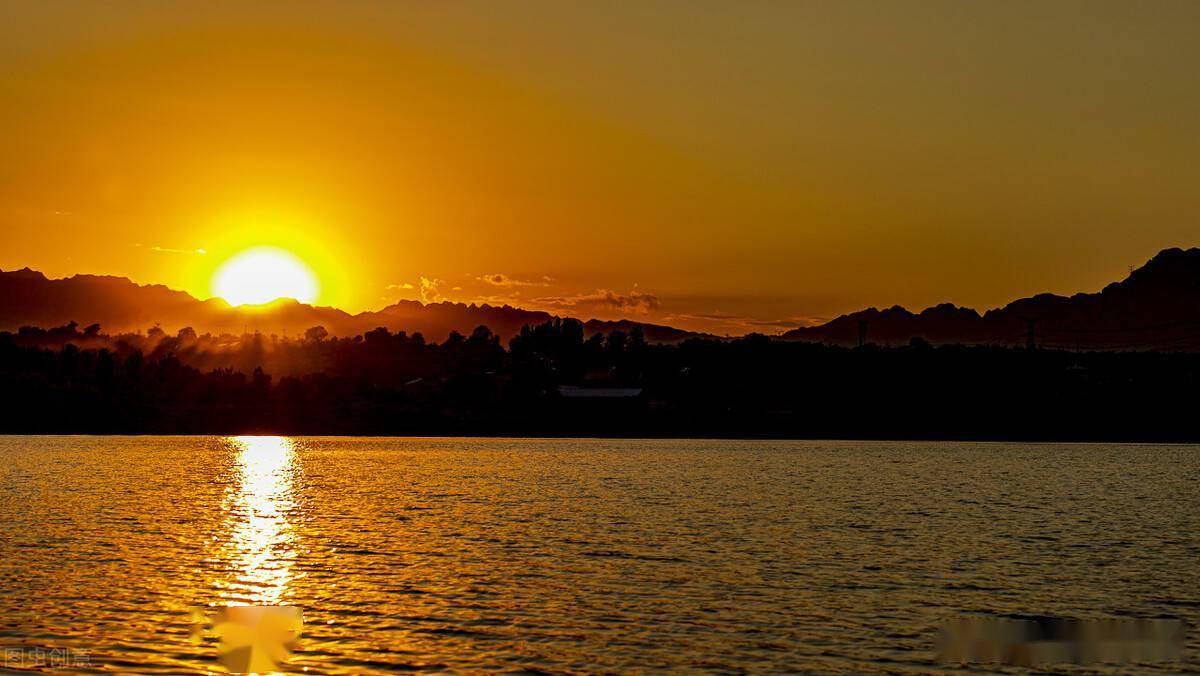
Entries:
{"x":725,"y":166}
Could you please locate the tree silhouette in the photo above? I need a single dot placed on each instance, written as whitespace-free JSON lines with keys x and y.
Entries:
{"x":63,"y":380}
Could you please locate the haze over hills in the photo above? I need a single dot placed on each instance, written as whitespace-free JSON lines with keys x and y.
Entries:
{"x":1157,"y":307}
{"x":29,"y":298}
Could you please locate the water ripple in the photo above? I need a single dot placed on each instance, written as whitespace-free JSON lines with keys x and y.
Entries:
{"x":550,"y":556}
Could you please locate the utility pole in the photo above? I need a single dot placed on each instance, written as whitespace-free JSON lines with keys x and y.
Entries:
{"x":862,"y":331}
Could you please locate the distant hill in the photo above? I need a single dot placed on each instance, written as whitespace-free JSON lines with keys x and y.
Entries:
{"x":29,"y":298}
{"x":1157,"y":307}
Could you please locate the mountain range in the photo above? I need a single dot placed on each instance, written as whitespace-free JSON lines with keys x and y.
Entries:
{"x":1157,"y":307}
{"x":29,"y":298}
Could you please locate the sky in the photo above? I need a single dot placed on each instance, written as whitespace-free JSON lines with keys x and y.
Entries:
{"x":734,"y":166}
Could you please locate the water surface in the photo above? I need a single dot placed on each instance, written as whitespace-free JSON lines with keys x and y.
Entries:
{"x":582,"y":555}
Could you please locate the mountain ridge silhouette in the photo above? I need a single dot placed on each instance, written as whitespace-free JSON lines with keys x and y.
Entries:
{"x":117,"y":304}
{"x":1156,"y":307}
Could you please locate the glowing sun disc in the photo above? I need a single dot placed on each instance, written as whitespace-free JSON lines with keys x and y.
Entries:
{"x":264,"y":274}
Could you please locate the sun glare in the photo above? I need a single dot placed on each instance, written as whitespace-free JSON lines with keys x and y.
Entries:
{"x":264,"y":274}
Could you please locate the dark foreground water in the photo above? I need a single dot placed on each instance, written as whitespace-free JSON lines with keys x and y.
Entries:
{"x":580,"y":555}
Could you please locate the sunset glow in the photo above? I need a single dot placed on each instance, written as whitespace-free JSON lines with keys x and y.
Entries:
{"x":264,"y":274}
{"x":599,"y":337}
{"x":465,"y":143}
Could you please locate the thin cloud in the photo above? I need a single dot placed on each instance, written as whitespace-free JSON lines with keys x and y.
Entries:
{"x":169,"y":250}
{"x":744,"y":322}
{"x":502,"y":280}
{"x":788,"y":323}
{"x":716,"y":316}
{"x":638,"y":302}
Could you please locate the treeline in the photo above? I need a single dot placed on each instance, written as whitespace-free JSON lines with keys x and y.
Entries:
{"x":550,"y":380}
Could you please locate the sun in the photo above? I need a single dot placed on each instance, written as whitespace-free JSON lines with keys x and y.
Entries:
{"x":263,"y":274}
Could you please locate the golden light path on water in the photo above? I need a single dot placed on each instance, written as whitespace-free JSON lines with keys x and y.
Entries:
{"x":260,"y":500}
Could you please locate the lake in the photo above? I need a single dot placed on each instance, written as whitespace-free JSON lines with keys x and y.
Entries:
{"x":581,"y":555}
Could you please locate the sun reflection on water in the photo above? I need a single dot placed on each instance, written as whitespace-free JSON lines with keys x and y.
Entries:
{"x":259,"y":505}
